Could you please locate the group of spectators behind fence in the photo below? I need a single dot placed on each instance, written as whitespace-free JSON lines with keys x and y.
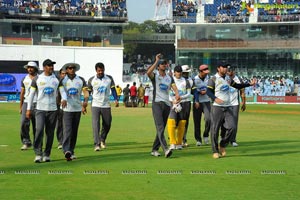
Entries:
{"x":236,"y":11}
{"x":112,"y":8}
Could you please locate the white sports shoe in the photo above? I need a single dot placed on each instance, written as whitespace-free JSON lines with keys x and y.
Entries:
{"x":172,"y":146}
{"x":179,"y":147}
{"x":155,"y":153}
{"x":198,"y":143}
{"x":97,"y":148}
{"x":38,"y":159}
{"x":234,"y":144}
{"x":206,"y":140}
{"x":46,"y":159}
{"x":24,"y":147}
{"x":168,"y":153}
{"x":73,"y":157}
{"x":103,"y":145}
{"x":185,"y":144}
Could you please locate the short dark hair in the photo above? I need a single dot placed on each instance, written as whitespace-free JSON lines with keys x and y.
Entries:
{"x":61,"y":70}
{"x":99,"y":65}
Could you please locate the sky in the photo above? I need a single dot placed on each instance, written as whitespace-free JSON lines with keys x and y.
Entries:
{"x":140,"y":10}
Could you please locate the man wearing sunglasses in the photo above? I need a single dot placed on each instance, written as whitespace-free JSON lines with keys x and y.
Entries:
{"x":73,"y":85}
{"x":161,"y":106}
{"x":201,"y":105}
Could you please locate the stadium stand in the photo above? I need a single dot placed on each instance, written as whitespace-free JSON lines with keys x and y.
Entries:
{"x":88,"y":8}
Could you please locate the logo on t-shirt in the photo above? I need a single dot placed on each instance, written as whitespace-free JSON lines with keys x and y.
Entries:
{"x":101,"y":89}
{"x":163,"y":87}
{"x":48,"y":91}
{"x":72,"y":91}
{"x":224,"y":88}
{"x":202,"y":88}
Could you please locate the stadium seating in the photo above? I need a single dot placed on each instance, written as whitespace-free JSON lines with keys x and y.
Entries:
{"x":113,"y":8}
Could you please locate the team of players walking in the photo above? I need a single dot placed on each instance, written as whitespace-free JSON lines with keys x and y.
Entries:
{"x":45,"y":97}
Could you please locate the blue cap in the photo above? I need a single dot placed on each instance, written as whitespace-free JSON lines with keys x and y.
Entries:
{"x":162,"y":62}
{"x":177,"y":68}
{"x":223,"y":64}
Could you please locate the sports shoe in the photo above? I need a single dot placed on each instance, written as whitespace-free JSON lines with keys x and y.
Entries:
{"x":46,"y":159}
{"x":185,"y":144}
{"x":68,"y":156}
{"x":206,"y":140}
{"x":223,"y":151}
{"x":73,"y":157}
{"x":172,"y":146}
{"x":179,"y":147}
{"x":38,"y":159}
{"x":24,"y":147}
{"x":155,"y":153}
{"x":59,"y":146}
{"x":198,"y":143}
{"x":216,"y":155}
{"x":234,"y":144}
{"x":168,"y":153}
{"x":102,"y":144}
{"x":97,"y":148}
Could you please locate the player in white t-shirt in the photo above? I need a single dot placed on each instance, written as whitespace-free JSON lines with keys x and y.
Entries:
{"x":73,"y":86}
{"x":32,"y":69}
{"x":100,"y":86}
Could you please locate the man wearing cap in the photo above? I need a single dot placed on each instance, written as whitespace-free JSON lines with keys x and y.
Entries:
{"x":46,"y":87}
{"x":73,"y":86}
{"x":100,"y":86}
{"x":185,"y":74}
{"x":178,"y":115}
{"x":201,"y":105}
{"x":218,"y":89}
{"x":162,"y":83}
{"x":235,"y":95}
{"x":32,"y":69}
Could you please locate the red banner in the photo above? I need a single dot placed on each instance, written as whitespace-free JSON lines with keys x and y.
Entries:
{"x":278,"y":99}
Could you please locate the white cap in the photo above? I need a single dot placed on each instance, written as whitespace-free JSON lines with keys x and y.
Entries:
{"x":31,"y":64}
{"x":185,"y":68}
{"x":77,"y":66}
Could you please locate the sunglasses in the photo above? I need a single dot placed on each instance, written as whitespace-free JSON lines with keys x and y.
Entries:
{"x":70,"y":67}
{"x":204,"y":69}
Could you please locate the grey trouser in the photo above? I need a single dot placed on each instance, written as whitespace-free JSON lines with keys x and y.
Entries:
{"x":44,"y":120}
{"x":25,"y":125}
{"x":236,"y":110}
{"x":187,"y":110}
{"x":160,"y":112}
{"x":71,"y":124}
{"x":59,"y":126}
{"x":221,"y":116}
{"x":197,"y":115}
{"x":105,"y":113}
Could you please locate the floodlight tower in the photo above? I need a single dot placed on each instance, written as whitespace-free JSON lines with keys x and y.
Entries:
{"x":163,"y":11}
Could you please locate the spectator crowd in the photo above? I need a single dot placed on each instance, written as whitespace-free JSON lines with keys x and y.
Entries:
{"x":110,"y":8}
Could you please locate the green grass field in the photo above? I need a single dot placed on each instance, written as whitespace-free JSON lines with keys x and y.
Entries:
{"x":266,"y":165}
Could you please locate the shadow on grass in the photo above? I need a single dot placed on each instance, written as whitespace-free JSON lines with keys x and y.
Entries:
{"x":131,"y":153}
{"x":266,"y":148}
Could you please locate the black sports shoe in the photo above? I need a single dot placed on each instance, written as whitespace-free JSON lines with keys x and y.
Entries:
{"x":68,"y":156}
